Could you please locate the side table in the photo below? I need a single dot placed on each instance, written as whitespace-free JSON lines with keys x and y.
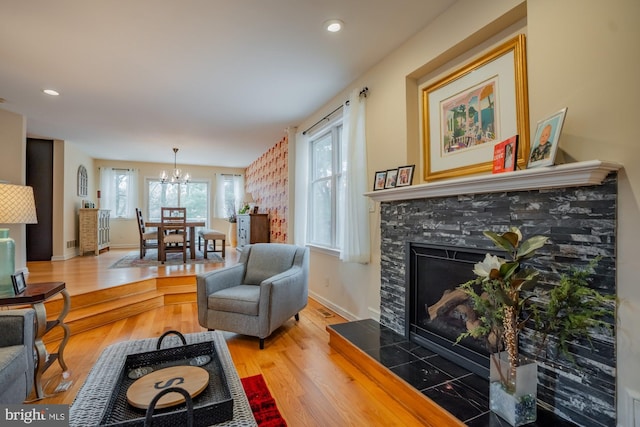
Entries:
{"x":36,"y":295}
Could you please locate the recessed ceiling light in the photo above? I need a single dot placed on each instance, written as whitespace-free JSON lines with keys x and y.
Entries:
{"x":51,"y":92}
{"x":333,"y":25}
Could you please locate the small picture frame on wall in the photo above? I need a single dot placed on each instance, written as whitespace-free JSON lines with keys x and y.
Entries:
{"x":392,"y":177}
{"x":379,"y":180}
{"x":405,"y":175}
{"x":19,"y":284}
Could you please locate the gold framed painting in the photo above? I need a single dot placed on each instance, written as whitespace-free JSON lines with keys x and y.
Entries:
{"x":465,"y":114}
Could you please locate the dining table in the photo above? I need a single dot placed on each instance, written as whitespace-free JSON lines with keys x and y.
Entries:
{"x":191,"y":227}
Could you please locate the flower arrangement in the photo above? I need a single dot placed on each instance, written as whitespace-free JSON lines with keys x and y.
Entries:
{"x":503,"y":296}
{"x":230,"y":211}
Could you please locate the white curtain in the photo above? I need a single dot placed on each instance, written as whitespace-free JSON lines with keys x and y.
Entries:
{"x":109,"y":179}
{"x":301,"y":189}
{"x":353,"y":220}
{"x":221,"y":206}
{"x":238,"y":191}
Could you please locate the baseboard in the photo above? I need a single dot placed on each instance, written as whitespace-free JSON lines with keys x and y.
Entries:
{"x":333,"y":307}
{"x":375,"y":314}
{"x":124,"y":246}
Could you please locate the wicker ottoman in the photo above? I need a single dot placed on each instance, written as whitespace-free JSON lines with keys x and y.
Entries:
{"x":211,"y":235}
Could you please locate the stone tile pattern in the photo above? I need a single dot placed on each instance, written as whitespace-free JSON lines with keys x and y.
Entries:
{"x":581,"y":223}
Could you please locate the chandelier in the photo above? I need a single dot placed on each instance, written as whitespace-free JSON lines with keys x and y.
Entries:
{"x":176,"y":176}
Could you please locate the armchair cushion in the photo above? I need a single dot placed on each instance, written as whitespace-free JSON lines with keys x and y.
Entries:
{"x":267,"y":261}
{"x":237,"y":299}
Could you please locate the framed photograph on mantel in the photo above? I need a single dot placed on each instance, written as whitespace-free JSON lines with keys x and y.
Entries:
{"x":504,"y":155}
{"x":405,"y":175}
{"x":379,"y":180}
{"x":467,"y":113}
{"x":545,"y":141}
{"x":392,"y":177}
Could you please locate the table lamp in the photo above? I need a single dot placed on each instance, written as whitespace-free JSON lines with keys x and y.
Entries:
{"x":17,"y":206}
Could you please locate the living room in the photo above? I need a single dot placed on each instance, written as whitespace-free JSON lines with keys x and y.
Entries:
{"x":580,"y":55}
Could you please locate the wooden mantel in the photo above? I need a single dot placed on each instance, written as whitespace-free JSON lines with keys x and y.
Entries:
{"x":577,"y":174}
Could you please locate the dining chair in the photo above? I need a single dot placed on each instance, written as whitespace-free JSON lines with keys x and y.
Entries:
{"x":148,"y":239}
{"x":173,"y":237}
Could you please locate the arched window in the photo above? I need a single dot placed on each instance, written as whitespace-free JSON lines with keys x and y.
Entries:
{"x":83,"y":182}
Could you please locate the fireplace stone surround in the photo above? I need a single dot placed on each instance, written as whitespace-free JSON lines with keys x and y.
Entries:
{"x":579,"y":215}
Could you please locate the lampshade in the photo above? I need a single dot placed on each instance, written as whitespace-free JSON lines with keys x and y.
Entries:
{"x":17,"y":205}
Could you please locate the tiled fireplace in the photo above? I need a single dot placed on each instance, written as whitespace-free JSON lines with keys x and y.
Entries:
{"x":579,"y":218}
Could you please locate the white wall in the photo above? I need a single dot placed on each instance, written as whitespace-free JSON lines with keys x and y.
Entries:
{"x":582,"y":54}
{"x":586,"y":55}
{"x":67,"y":159}
{"x":13,"y":146}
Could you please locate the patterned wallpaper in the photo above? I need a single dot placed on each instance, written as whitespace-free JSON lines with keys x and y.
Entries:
{"x":267,"y":180}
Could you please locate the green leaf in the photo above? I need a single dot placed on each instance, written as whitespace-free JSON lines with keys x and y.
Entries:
{"x":508,"y":268}
{"x":500,"y":241}
{"x":530,"y":245}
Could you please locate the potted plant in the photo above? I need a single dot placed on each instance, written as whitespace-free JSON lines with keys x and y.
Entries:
{"x":245,"y":208}
{"x":505,"y":297}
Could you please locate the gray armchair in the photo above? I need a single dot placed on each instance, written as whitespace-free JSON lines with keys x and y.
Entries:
{"x":254,"y":297}
{"x":16,"y":354}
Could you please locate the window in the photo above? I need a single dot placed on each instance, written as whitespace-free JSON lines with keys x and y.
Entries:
{"x":229,"y":194}
{"x":193,"y":196}
{"x":118,"y":191}
{"x":83,"y":182}
{"x":325,"y":181}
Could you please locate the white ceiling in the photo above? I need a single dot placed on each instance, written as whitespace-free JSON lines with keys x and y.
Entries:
{"x":220,"y":79}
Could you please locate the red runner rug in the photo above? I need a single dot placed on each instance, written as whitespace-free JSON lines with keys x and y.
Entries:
{"x":264,"y":408}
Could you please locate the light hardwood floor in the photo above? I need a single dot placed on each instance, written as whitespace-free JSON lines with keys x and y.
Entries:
{"x":312,"y":384}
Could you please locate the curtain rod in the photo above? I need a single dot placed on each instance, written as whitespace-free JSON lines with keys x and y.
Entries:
{"x":231,"y":174}
{"x":116,"y":169}
{"x":363,"y":92}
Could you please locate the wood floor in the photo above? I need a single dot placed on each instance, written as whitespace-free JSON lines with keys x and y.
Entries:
{"x":312,"y":384}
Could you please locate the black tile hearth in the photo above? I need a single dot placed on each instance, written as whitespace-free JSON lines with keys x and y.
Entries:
{"x":464,"y":394}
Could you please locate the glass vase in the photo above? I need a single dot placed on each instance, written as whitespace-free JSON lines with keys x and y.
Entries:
{"x":7,"y":262}
{"x":513,"y":398}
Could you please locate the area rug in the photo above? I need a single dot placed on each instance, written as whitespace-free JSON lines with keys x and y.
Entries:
{"x":132,"y":259}
{"x":264,"y":407}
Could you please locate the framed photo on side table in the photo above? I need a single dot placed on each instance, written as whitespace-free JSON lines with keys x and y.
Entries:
{"x":379,"y":180}
{"x":405,"y":175}
{"x":465,"y":114}
{"x":19,"y":284}
{"x":545,"y":142}
{"x":392,"y":178}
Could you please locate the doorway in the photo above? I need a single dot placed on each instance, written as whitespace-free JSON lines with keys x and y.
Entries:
{"x":39,"y":175}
